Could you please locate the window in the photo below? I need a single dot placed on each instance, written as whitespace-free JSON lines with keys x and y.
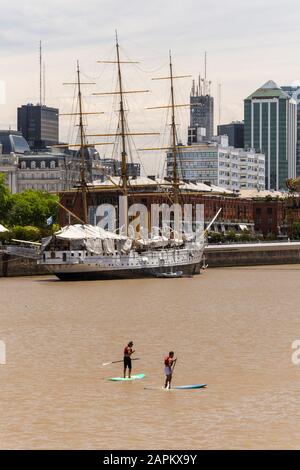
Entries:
{"x":23,"y":165}
{"x":43,"y":165}
{"x":33,"y":165}
{"x":52,"y":164}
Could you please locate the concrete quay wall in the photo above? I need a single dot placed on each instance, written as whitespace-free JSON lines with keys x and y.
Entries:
{"x":17,"y":266}
{"x":252,"y":254}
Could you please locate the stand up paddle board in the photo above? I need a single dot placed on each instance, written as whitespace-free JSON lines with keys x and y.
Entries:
{"x":180,"y":387}
{"x":133,"y":377}
{"x":187,"y":387}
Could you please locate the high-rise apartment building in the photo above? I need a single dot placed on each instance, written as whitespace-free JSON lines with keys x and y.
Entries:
{"x":270,"y":119}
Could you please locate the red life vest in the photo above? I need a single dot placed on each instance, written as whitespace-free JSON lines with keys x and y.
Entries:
{"x":167,"y":361}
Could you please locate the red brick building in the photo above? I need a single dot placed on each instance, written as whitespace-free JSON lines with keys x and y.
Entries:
{"x":265,"y":213}
{"x":235,"y":210}
{"x":270,"y":217}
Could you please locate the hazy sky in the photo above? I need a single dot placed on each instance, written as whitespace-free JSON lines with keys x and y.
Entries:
{"x":247,"y":43}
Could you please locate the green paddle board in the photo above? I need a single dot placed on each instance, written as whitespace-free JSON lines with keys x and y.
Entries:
{"x":133,"y":377}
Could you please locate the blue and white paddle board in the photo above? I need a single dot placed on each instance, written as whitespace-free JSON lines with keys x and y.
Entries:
{"x":133,"y":377}
{"x":187,"y":387}
{"x":179,"y":387}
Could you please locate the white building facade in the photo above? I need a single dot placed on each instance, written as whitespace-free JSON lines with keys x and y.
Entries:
{"x":218,"y":164}
{"x":240,"y":169}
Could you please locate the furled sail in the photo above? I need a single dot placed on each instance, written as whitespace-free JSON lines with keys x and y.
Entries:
{"x":84,"y":232}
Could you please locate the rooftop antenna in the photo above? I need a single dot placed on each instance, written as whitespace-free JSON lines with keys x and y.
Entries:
{"x":205,"y":84}
{"x":44,"y":83}
{"x":40,"y":72}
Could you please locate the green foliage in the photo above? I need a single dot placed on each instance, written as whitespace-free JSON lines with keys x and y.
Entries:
{"x":26,"y":213}
{"x":33,"y":208}
{"x":5,"y":236}
{"x":296,"y":231}
{"x":28,"y":233}
{"x":245,"y":236}
{"x":215,"y":237}
{"x":270,"y":237}
{"x":231,"y":236}
{"x":5,"y":199}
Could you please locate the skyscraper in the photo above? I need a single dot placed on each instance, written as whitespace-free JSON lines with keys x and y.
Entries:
{"x":294,"y":92}
{"x":201,"y":126}
{"x":235,"y":133}
{"x":270,"y":121}
{"x":38,"y":125}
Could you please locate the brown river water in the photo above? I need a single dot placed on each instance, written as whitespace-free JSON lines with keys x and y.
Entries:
{"x":230,"y":328}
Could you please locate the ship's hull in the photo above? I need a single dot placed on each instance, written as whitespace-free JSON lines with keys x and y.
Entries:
{"x":93,"y":274}
{"x":82,"y":266}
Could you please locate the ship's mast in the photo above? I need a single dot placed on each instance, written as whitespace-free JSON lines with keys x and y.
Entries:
{"x":122,"y":121}
{"x":173,"y":145}
{"x":82,"y":145}
{"x":122,"y":130}
{"x":174,"y":136}
{"x":83,"y":183}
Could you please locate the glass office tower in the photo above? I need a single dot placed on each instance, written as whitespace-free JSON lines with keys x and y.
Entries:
{"x":270,"y":127}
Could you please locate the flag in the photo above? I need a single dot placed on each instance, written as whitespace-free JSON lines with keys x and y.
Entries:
{"x":50,"y":220}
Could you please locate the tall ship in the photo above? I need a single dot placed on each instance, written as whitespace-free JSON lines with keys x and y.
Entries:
{"x":84,"y":251}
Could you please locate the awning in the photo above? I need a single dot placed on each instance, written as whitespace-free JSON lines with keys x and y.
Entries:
{"x":3,"y":229}
{"x":243,"y":227}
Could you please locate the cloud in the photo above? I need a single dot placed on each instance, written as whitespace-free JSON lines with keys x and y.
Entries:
{"x":248,"y":43}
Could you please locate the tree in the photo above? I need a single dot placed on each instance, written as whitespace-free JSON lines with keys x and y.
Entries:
{"x":33,"y":208}
{"x":5,"y":199}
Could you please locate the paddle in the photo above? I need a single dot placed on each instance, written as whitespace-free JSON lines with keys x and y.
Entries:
{"x":115,"y":362}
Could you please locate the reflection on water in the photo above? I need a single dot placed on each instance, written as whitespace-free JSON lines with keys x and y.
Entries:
{"x":230,"y":328}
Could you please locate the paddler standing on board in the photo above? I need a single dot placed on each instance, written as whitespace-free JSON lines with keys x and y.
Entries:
{"x":169,"y":362}
{"x":128,"y":351}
